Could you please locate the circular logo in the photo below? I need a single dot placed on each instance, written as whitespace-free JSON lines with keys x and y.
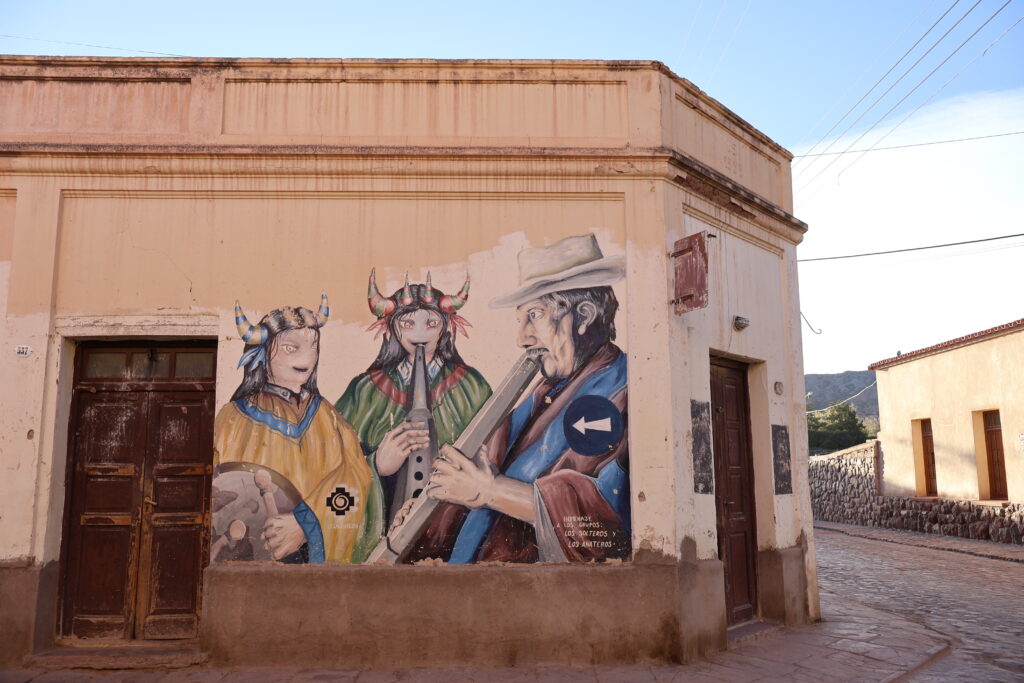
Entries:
{"x":341,"y":501}
{"x":592,"y":425}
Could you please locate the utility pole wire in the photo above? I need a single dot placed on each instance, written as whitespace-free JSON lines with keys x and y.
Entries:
{"x":890,"y":88}
{"x":735,"y":28}
{"x":897,"y":251}
{"x":838,"y":403}
{"x":884,"y":76}
{"x":932,"y":96}
{"x":102,"y":47}
{"x":859,"y":79}
{"x":911,"y":92}
{"x":915,"y":144}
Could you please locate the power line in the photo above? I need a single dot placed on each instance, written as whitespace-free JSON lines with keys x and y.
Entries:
{"x":932,"y":96}
{"x":912,"y":90}
{"x":885,"y":75}
{"x":822,"y":410}
{"x":102,"y":47}
{"x":735,"y":28}
{"x":897,"y":251}
{"x":916,"y":144}
{"x":860,"y":78}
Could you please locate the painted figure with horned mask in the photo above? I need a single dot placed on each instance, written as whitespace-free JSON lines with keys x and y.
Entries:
{"x":315,"y":495}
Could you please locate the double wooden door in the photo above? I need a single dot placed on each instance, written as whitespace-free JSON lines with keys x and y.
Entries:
{"x":140,"y":459}
{"x":734,"y":488}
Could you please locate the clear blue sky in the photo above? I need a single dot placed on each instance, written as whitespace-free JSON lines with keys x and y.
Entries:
{"x":781,"y":65}
{"x":792,"y":68}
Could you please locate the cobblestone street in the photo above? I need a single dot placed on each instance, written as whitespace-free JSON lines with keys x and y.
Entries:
{"x":976,"y":602}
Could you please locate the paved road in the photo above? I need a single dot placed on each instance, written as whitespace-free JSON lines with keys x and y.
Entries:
{"x":977,"y":602}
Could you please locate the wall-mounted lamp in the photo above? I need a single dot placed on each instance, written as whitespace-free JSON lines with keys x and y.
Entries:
{"x":740,"y":323}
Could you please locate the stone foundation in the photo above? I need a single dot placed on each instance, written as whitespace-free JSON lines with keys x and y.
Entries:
{"x":845,"y":488}
{"x":394,"y":617}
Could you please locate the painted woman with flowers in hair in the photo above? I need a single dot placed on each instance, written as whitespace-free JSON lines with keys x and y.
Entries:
{"x":278,"y":425}
{"x":377,"y":401}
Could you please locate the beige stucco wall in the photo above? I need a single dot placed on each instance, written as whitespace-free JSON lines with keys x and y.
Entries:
{"x":142,"y":197}
{"x":948,"y":388}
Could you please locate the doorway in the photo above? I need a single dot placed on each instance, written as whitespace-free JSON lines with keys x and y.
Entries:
{"x":994,"y":453}
{"x":140,"y":453}
{"x":931,"y":487}
{"x":734,"y":487}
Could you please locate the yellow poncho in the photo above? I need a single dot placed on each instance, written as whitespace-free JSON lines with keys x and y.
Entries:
{"x":313,"y":447}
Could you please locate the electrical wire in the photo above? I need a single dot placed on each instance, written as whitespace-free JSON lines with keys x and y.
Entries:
{"x":689,"y":32}
{"x":837,"y":403}
{"x":102,"y":47}
{"x":932,"y":96}
{"x":886,"y":74}
{"x":916,"y":144}
{"x":911,"y":92}
{"x":700,"y":56}
{"x":853,"y":85}
{"x":809,"y":323}
{"x":735,"y":28}
{"x":898,"y":251}
{"x":890,"y":88}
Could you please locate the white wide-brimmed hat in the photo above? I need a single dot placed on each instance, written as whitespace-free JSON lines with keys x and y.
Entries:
{"x":571,"y":263}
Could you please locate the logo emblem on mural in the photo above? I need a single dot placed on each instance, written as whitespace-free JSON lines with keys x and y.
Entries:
{"x":341,"y":501}
{"x":592,"y":425}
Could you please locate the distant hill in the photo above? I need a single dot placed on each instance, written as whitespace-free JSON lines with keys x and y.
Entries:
{"x":824,"y":390}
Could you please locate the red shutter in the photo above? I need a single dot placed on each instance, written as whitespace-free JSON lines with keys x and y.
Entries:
{"x":691,"y":261}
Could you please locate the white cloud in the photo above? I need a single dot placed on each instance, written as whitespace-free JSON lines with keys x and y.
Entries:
{"x":870,"y":308}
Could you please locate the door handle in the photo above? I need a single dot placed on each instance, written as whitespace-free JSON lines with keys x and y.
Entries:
{"x":150,"y":501}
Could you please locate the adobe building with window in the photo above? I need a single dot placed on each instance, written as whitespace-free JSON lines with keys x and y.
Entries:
{"x":504,"y":355}
{"x":952,"y":418}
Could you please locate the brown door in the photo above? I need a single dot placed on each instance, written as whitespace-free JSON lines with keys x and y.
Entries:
{"x":140,"y":450}
{"x":994,"y":452}
{"x":928,"y":446}
{"x":734,"y":489}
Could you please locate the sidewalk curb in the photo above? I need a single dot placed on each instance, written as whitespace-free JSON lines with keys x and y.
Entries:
{"x":932,"y":656}
{"x":871,"y":537}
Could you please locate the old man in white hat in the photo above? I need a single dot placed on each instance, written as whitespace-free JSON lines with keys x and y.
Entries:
{"x":558,"y":486}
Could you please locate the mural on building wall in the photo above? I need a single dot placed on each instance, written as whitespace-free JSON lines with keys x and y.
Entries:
{"x":419,"y":459}
{"x":290,"y":482}
{"x":418,"y":394}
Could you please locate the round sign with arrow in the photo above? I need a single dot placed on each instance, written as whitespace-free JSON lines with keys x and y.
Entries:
{"x":592,"y":425}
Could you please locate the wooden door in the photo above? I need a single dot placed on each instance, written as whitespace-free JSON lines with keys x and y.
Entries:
{"x":734,"y":488}
{"x":994,"y":453}
{"x":141,"y":450}
{"x":928,"y":446}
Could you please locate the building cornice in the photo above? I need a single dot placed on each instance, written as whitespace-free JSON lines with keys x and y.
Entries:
{"x":324,"y":160}
{"x":145,"y":68}
{"x":966,"y":340}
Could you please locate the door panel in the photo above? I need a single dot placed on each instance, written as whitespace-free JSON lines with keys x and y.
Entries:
{"x":174,"y":527}
{"x":928,"y":445}
{"x":734,"y":492}
{"x":105,"y":509}
{"x":141,"y":449}
{"x":994,"y":452}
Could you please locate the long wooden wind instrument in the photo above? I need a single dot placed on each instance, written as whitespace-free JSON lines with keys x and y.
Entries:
{"x":396,"y":545}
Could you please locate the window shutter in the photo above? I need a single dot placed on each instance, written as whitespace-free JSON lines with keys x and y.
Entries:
{"x":691,"y":261}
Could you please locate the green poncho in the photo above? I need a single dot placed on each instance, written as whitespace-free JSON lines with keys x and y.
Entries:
{"x":377,"y":401}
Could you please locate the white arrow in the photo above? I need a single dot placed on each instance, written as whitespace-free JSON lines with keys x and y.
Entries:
{"x":604,"y":425}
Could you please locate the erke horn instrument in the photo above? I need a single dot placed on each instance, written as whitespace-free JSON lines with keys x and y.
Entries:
{"x":394,"y":547}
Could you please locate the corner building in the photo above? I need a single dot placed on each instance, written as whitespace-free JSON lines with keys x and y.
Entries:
{"x":140,"y":198}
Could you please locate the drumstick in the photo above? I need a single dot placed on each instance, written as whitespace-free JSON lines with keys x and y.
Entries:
{"x":262,"y":478}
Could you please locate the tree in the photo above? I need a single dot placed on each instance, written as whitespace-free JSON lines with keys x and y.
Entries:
{"x":835,"y":428}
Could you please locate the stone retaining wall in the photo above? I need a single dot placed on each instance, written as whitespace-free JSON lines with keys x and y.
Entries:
{"x":845,"y":488}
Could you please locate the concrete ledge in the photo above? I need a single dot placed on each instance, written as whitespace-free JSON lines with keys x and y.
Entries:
{"x":782,"y":585}
{"x":393,"y":617}
{"x":28,"y":603}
